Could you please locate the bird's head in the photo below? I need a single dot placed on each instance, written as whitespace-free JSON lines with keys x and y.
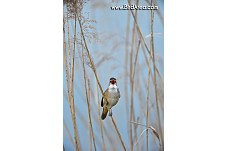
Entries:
{"x":113,"y":81}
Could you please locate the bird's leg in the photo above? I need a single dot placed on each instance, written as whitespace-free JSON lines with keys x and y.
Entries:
{"x":110,"y":112}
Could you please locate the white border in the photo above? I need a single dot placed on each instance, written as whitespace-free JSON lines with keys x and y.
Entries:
{"x":195,"y":75}
{"x":31,"y":110}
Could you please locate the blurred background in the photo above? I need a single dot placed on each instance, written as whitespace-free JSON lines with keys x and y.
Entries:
{"x":100,"y":43}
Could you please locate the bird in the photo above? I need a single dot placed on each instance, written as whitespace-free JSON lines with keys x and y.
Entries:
{"x":110,"y":98}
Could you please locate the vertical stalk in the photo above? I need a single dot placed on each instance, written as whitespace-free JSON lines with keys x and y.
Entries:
{"x":126,"y":74}
{"x":70,"y":86}
{"x":133,"y":75}
{"x":88,"y":103}
{"x":73,"y":113}
{"x":155,"y":82}
{"x":100,"y":121}
{"x":69,"y":134}
{"x":147,"y":100}
{"x":132,"y":113}
{"x":118,"y":133}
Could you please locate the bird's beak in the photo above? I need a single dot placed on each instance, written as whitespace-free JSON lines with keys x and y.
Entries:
{"x":112,"y":81}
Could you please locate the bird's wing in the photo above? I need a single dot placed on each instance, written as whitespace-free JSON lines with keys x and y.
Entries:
{"x":105,"y":95}
{"x":118,"y":91}
{"x":102,"y":102}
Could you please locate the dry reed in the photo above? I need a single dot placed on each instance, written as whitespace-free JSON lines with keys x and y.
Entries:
{"x":70,"y":86}
{"x":88,"y":102}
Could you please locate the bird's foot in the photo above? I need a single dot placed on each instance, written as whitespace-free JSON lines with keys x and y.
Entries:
{"x":110,"y":113}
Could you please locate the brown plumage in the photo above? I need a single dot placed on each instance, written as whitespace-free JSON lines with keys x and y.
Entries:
{"x":110,"y":98}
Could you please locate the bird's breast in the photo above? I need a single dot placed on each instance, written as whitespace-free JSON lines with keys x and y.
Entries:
{"x":113,"y":97}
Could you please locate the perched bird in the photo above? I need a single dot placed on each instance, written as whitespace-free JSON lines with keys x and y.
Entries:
{"x":110,"y":98}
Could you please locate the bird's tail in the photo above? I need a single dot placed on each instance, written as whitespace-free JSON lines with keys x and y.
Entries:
{"x":104,"y":113}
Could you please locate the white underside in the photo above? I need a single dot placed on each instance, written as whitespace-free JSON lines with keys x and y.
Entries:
{"x":112,"y":87}
{"x":113,"y":96}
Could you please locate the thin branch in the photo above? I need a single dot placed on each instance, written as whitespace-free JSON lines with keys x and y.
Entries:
{"x":147,"y":99}
{"x":149,"y":127}
{"x":133,"y":77}
{"x":70,"y":86}
{"x":89,"y":56}
{"x":66,"y":60}
{"x":69,"y":134}
{"x":158,"y":11}
{"x":88,"y":103}
{"x":141,"y":36}
{"x":137,"y":51}
{"x":100,"y":121}
{"x":140,"y":136}
{"x":118,"y":133}
{"x":132,"y":113}
{"x":138,"y":28}
{"x":155,"y":82}
{"x":126,"y":74}
{"x":73,"y":113}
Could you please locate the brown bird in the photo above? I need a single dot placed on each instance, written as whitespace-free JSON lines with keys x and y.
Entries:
{"x":110,"y":98}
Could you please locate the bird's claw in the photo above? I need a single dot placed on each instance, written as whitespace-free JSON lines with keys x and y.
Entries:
{"x":110,"y":113}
